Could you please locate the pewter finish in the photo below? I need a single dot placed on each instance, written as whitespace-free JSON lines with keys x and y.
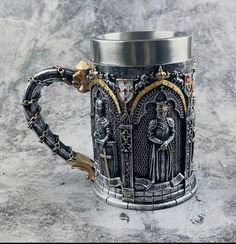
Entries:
{"x":140,"y":184}
{"x":143,"y":132}
{"x":145,"y":48}
{"x":32,"y":108}
{"x":105,"y":131}
{"x":161,"y":132}
{"x":158,"y":199}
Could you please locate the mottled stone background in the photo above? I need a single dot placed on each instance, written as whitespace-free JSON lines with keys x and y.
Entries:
{"x":42,"y":199}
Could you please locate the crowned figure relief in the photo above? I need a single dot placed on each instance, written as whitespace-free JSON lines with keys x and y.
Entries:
{"x":161,"y":132}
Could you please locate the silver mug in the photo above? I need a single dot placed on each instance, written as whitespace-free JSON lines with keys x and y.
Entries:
{"x":142,"y":87}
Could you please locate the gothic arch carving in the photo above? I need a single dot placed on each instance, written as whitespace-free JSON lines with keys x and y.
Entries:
{"x":144,"y":113}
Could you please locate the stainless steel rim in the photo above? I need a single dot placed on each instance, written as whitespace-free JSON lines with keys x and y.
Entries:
{"x":143,"y":48}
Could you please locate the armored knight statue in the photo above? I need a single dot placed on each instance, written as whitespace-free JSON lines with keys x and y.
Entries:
{"x":105,"y":146}
{"x":160,"y":134}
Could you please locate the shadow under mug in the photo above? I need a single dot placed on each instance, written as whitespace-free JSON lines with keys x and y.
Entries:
{"x":142,"y":89}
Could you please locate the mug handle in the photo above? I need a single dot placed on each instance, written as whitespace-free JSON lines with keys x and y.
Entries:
{"x":80,"y":80}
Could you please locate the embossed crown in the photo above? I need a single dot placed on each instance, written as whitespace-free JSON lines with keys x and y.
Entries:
{"x":161,"y":74}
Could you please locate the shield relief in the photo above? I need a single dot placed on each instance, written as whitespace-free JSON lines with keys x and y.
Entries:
{"x":125,"y":90}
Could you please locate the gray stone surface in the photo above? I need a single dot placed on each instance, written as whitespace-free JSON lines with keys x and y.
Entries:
{"x":42,"y":199}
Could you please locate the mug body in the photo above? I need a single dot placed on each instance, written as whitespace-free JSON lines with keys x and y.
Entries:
{"x":143,"y":119}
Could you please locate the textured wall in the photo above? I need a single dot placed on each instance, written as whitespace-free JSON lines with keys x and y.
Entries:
{"x":42,"y":199}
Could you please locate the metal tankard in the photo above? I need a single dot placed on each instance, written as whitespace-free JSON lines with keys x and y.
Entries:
{"x":142,"y":90}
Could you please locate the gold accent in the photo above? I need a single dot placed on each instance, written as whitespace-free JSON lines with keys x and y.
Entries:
{"x":81,"y":76}
{"x":83,"y":65}
{"x":104,"y":156}
{"x":108,"y":89}
{"x":84,"y":163}
{"x":161,"y":75}
{"x":155,"y":85}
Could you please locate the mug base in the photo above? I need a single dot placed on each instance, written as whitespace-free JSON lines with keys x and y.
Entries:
{"x":114,"y":197}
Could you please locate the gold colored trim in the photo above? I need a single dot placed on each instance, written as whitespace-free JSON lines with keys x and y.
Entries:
{"x":81,"y":76}
{"x":161,"y":74}
{"x":84,"y":65}
{"x":155,"y":85}
{"x":84,"y":163}
{"x":110,"y":92}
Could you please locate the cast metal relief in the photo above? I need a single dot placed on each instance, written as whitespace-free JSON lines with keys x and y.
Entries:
{"x":145,"y":122}
{"x":143,"y":130}
{"x":144,"y":114}
{"x":102,"y":134}
{"x":161,"y":132}
{"x":105,"y":123}
{"x":126,"y":132}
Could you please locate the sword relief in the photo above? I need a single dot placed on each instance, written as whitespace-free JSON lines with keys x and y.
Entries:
{"x":104,"y":156}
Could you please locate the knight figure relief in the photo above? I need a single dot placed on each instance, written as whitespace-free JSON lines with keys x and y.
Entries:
{"x":106,"y":147}
{"x":161,"y":132}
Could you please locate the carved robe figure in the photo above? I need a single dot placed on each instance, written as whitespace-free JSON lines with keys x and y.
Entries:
{"x":160,"y":133}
